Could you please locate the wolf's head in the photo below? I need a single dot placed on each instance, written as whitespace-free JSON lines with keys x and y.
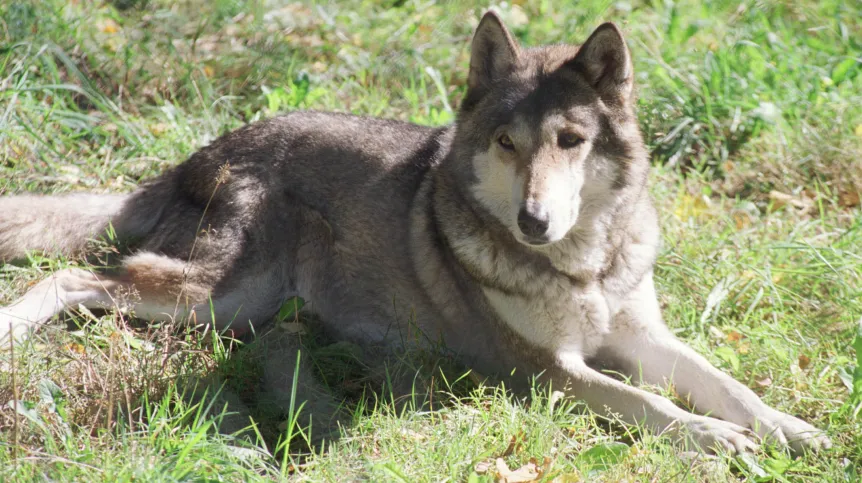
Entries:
{"x":550,"y":132}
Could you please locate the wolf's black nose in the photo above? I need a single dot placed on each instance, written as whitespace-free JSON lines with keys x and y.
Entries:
{"x":533,"y":220}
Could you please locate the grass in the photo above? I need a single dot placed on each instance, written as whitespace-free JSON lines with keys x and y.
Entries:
{"x":753,"y":113}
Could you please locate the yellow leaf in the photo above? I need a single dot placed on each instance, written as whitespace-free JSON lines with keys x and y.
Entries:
{"x":688,"y":206}
{"x":858,"y":130}
{"x":74,"y":347}
{"x":158,"y":128}
{"x":108,"y":26}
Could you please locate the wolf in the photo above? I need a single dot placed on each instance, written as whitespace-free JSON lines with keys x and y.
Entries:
{"x":522,"y":237}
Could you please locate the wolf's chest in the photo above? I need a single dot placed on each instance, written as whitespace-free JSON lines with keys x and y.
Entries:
{"x":560,"y":317}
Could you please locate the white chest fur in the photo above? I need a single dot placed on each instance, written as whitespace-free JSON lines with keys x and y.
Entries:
{"x":561,"y":317}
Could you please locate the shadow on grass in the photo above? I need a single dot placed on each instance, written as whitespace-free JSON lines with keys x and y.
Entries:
{"x":291,"y":386}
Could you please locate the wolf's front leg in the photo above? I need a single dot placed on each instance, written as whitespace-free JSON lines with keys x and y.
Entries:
{"x":613,"y":398}
{"x":641,"y":344}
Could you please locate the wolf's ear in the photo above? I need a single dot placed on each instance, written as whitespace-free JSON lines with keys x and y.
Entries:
{"x":493,"y":53}
{"x":605,"y":61}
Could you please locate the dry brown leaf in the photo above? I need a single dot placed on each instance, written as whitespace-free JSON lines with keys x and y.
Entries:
{"x":780,"y":199}
{"x":413,"y":434}
{"x":528,"y":472}
{"x":741,"y":220}
{"x":765,"y":382}
{"x":75,"y":347}
{"x":482,"y":467}
{"x":734,"y":336}
{"x":804,"y":361}
{"x":849,"y":199}
{"x":514,"y":445}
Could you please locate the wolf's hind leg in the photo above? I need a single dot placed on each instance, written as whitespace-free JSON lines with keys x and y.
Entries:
{"x":65,"y":288}
{"x":154,"y":286}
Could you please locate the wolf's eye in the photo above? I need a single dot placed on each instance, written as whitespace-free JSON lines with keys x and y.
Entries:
{"x":568,"y":140}
{"x":506,"y":142}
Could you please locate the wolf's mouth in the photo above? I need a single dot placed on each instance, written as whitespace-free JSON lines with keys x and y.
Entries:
{"x":534,"y":241}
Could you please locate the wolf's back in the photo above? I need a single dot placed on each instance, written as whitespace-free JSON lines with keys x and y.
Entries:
{"x":64,"y":224}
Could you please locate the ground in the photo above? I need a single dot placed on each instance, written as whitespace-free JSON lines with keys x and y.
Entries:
{"x":753,"y":115}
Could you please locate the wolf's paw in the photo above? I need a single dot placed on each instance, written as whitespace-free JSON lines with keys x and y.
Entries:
{"x":790,"y":431}
{"x":714,"y":435}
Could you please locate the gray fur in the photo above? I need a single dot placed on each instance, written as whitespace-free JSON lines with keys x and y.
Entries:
{"x":399,"y":234}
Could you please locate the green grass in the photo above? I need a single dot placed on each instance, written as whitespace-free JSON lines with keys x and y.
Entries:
{"x":753,"y":113}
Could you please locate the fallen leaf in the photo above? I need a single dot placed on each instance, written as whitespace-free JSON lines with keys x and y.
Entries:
{"x":688,"y":206}
{"x":109,"y":26}
{"x":528,"y":472}
{"x":514,"y":445}
{"x":158,"y":128}
{"x":734,"y":336}
{"x":319,"y":67}
{"x":804,"y":361}
{"x":482,"y":467}
{"x":413,"y":434}
{"x":850,"y":199}
{"x":741,"y":220}
{"x":780,"y":199}
{"x":74,"y":347}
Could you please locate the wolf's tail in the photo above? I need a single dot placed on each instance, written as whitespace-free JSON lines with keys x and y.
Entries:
{"x":64,"y":224}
